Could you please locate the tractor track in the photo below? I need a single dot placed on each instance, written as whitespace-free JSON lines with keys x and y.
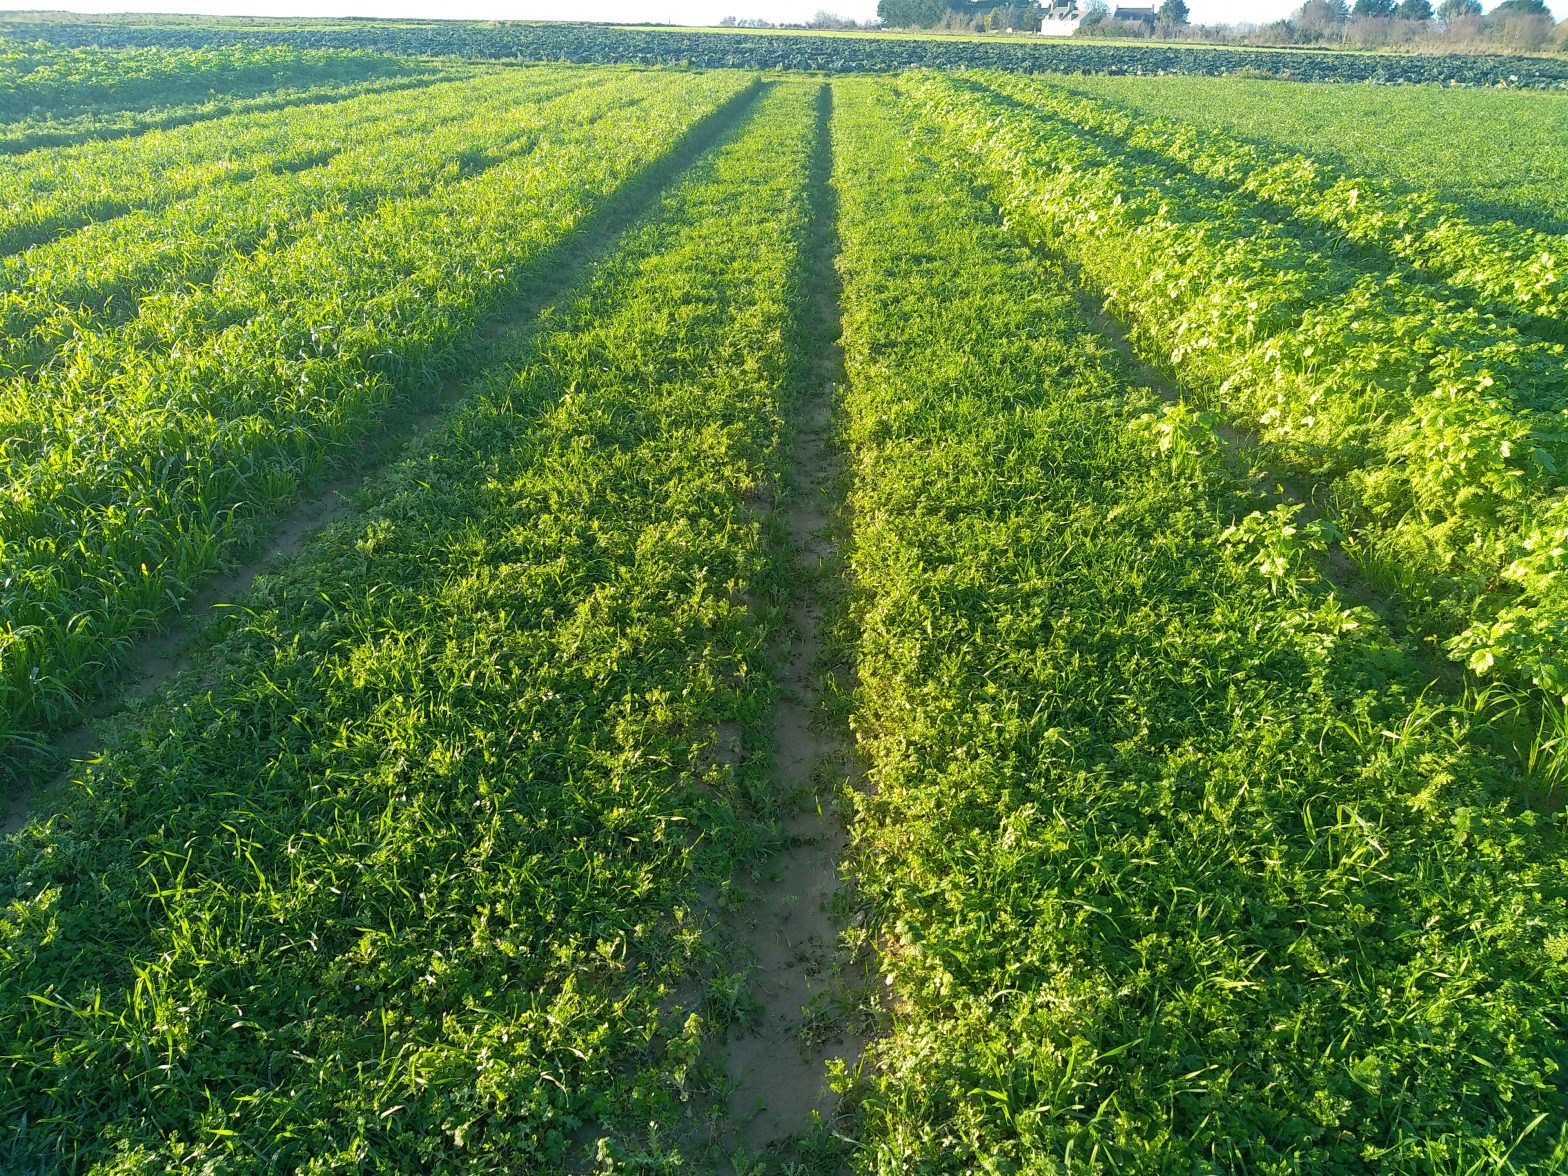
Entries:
{"x":806,"y":1016}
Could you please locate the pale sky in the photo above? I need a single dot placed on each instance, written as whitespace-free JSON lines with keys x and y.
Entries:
{"x":695,"y":12}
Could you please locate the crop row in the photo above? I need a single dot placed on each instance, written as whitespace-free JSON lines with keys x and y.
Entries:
{"x":1502,"y":154}
{"x":479,"y":128}
{"x":50,"y":191}
{"x":141,"y":461}
{"x":40,"y":78}
{"x":1518,"y":270}
{"x":62,"y":289}
{"x":406,"y":876}
{"x":1435,"y":434}
{"x":607,"y":45}
{"x":1177,"y":864}
{"x":51,"y":131}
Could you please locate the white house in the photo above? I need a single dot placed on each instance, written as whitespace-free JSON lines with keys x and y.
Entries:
{"x":1060,"y":18}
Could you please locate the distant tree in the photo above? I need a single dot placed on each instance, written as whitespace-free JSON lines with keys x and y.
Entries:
{"x":1173,"y":13}
{"x":1319,"y":15}
{"x":1416,"y":10}
{"x":1023,"y":18}
{"x":1095,"y":12}
{"x":1450,"y":11}
{"x":1519,"y":24}
{"x":911,"y":14}
{"x":1016,"y":17}
{"x":1276,"y":32}
{"x":1373,"y":9}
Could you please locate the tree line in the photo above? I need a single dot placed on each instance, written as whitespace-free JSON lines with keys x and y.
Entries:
{"x":1452,"y":24}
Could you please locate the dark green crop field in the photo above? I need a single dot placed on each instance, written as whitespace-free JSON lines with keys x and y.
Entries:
{"x":633,"y":618}
{"x":608,"y":44}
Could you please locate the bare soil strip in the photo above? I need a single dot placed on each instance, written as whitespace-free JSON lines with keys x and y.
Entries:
{"x":778,"y":1064}
{"x":159,"y":656}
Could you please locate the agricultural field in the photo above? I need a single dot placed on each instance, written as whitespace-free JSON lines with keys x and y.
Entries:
{"x":53,"y":95}
{"x":1499,"y":154}
{"x":623,"y":618}
{"x":860,"y":52}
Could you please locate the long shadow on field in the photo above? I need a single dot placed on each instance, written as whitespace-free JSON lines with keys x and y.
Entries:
{"x":1273,"y":483}
{"x":118,"y":301}
{"x":110,"y":207}
{"x":1516,"y":725}
{"x":1361,"y":258}
{"x":154,"y":659}
{"x":393,"y":826}
{"x":259,"y":103}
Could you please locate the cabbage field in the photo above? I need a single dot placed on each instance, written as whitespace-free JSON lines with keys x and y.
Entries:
{"x":619,"y":618}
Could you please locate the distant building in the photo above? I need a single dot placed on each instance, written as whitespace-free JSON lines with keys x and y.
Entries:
{"x":1059,"y":18}
{"x":1137,"y":15}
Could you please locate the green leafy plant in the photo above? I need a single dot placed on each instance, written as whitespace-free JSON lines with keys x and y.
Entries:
{"x":411,"y":874}
{"x":1181,"y":862}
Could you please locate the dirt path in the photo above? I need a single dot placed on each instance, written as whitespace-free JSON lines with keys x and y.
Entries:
{"x":779,"y":1065}
{"x":159,"y":656}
